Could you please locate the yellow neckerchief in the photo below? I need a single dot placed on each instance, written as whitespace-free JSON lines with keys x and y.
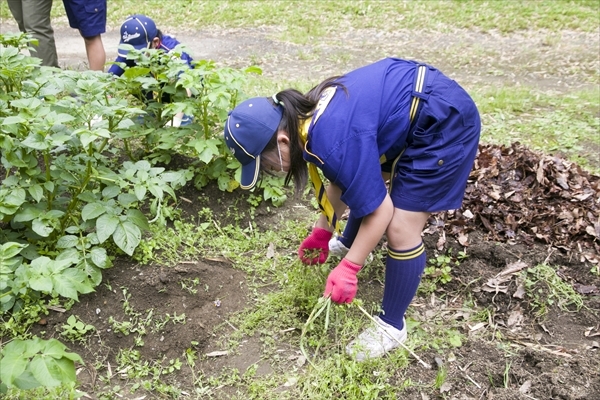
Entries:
{"x":313,"y":172}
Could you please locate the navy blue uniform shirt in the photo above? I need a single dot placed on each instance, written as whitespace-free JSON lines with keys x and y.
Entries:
{"x":357,"y":128}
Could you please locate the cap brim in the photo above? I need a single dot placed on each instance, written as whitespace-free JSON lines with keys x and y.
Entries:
{"x":250,"y":173}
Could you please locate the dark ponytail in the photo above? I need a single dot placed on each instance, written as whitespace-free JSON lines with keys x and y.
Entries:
{"x":298,"y":107}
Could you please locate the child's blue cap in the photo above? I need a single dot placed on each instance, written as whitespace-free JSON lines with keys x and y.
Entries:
{"x":248,"y":130}
{"x":138,"y":31}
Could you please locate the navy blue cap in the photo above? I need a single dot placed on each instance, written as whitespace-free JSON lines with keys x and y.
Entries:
{"x":138,"y":31}
{"x":248,"y":129}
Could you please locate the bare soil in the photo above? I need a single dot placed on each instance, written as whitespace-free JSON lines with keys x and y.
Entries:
{"x":556,"y":357}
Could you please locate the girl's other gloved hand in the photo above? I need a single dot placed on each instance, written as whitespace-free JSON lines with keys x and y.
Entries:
{"x":315,"y":248}
{"x":342,"y":282}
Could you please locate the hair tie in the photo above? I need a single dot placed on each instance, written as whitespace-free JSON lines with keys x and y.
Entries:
{"x":276,"y":101}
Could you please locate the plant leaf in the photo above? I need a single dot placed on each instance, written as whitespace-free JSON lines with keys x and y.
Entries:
{"x":127,"y":236}
{"x":138,"y":218}
{"x":41,"y":370}
{"x":99,"y":257}
{"x":13,"y":365}
{"x":92,"y":210}
{"x":41,"y":283}
{"x":41,"y":227}
{"x":71,"y":282}
{"x":105,"y":226}
{"x":36,"y":192}
{"x":67,"y":241}
{"x":26,"y":381}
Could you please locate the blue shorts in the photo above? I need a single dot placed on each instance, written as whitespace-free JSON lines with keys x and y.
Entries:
{"x":89,"y":16}
{"x":431,"y":174}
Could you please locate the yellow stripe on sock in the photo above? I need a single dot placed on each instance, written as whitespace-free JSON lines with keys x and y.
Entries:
{"x":406,"y":255}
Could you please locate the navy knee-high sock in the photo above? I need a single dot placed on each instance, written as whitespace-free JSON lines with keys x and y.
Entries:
{"x":403,"y":270}
{"x":350,"y":230}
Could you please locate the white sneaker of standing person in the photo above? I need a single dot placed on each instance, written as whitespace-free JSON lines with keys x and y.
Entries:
{"x":337,"y":248}
{"x":376,"y":340}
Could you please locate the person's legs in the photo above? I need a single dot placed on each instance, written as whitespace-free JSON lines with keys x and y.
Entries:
{"x":350,"y":230}
{"x":16,"y":9}
{"x":95,"y":52}
{"x":89,"y":17}
{"x":33,"y":16}
{"x":404,"y":265}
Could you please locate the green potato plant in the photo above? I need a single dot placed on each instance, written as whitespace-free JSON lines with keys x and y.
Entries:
{"x":84,"y":172}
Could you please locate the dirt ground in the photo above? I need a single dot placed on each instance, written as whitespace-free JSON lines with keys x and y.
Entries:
{"x":551,"y":358}
{"x":557,"y":358}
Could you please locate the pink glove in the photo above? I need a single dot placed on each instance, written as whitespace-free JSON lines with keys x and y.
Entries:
{"x":342,"y":282}
{"x":317,"y":241}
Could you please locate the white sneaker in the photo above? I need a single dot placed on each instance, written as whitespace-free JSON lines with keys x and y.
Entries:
{"x":376,"y":340}
{"x":337,"y":248}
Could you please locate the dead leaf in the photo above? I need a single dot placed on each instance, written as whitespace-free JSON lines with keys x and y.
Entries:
{"x":476,"y":326}
{"x":520,"y":292}
{"x":522,"y":196}
{"x":525,"y":387}
{"x":218,"y":353}
{"x":218,"y":259}
{"x":540,"y":172}
{"x":463,"y":239}
{"x":291,"y":381}
{"x":495,"y":289}
{"x":513,"y":267}
{"x":441,"y":241}
{"x":271,"y":251}
{"x":514,"y":318}
{"x":446,"y":387}
{"x":582,"y":197}
{"x":301,"y":361}
{"x":585,"y":289}
{"x":588,"y":332}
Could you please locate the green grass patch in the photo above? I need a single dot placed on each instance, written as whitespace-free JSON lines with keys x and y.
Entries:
{"x":302,"y":21}
{"x":565,"y":125}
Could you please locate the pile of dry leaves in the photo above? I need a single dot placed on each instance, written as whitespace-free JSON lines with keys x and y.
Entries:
{"x":517,"y":195}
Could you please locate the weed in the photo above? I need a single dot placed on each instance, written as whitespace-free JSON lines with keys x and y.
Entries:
{"x":190,"y":285}
{"x":76,"y":330}
{"x":439,"y":271}
{"x":441,"y":376}
{"x":506,"y":375}
{"x":323,"y":304}
{"x":545,"y":288}
{"x":160,"y":323}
